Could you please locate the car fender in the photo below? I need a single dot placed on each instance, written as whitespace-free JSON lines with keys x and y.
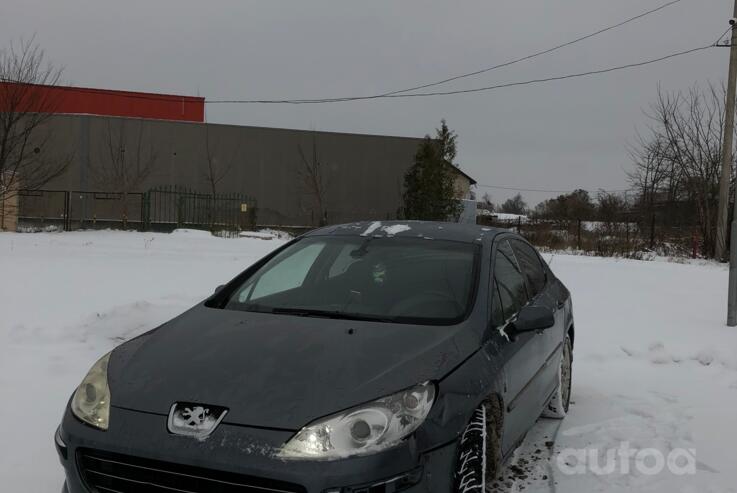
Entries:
{"x":464,"y":389}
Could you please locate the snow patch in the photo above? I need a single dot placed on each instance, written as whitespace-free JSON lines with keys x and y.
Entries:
{"x":195,"y":233}
{"x":372,"y":227}
{"x":396,"y":229}
{"x":256,"y":234}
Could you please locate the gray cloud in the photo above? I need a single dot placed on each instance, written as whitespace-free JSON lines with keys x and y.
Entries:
{"x":562,"y":135}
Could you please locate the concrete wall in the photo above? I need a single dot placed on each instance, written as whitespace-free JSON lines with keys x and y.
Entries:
{"x":364,"y":173}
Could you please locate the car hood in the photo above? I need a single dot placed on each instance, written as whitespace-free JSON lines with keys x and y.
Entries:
{"x":278,"y":371}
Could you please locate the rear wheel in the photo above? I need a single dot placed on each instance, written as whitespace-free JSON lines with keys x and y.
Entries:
{"x":479,"y":452}
{"x":557,"y":407}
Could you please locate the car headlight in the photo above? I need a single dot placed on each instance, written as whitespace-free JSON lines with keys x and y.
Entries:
{"x":365,"y":429}
{"x":91,"y":401}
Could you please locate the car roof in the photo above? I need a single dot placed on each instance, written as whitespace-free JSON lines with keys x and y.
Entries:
{"x":466,"y":233}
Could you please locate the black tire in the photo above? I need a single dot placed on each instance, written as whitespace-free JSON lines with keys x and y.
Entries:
{"x":557,"y":407}
{"x":479,"y":452}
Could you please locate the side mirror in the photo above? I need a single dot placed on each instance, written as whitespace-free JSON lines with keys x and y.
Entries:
{"x":219,"y":288}
{"x":532,"y":318}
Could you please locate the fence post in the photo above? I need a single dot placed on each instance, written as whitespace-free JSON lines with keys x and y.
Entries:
{"x":67,"y":211}
{"x":144,"y":212}
{"x":179,"y":210}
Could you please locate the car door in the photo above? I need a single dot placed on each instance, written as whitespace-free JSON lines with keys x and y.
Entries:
{"x":541,"y":292}
{"x":521,"y":352}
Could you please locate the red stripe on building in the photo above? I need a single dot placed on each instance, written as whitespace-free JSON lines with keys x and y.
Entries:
{"x":103,"y":102}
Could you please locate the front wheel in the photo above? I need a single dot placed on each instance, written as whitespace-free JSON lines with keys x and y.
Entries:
{"x":557,"y":407}
{"x":479,"y":452}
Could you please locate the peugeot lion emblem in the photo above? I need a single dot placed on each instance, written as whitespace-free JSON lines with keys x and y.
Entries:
{"x":194,"y":420}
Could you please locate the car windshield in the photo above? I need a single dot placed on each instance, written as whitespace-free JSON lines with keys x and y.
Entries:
{"x":403,"y":280}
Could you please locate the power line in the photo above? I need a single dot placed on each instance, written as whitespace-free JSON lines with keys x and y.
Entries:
{"x":192,"y":100}
{"x":398,"y":94}
{"x":537,"y":54}
{"x":466,"y":91}
{"x":562,"y":77}
{"x":481,"y":71}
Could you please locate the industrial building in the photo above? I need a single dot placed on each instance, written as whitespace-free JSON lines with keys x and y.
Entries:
{"x":297,"y":177}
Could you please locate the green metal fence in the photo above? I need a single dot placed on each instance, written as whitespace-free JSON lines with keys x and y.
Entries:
{"x":159,"y":209}
{"x":169,"y":207}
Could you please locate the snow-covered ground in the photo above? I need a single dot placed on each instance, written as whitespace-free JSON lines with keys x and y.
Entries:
{"x":654,"y":368}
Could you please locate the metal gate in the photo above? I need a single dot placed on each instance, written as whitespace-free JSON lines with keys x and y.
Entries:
{"x":40,"y":209}
{"x":170,"y":207}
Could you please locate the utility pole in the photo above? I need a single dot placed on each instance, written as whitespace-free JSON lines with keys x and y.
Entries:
{"x":727,"y":159}
{"x":725,"y":179}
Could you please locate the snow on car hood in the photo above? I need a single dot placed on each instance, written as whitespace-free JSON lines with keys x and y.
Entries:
{"x":278,"y":371}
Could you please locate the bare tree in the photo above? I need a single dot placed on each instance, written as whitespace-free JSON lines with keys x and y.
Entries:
{"x":125,"y":164}
{"x":314,"y":175}
{"x":611,"y":212}
{"x":515,"y":205}
{"x":27,"y":102}
{"x":215,"y":169}
{"x":680,"y":162}
{"x":486,"y":203}
{"x":654,"y":176}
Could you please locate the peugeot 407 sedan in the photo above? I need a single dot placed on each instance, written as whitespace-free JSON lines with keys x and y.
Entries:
{"x":373,"y":357}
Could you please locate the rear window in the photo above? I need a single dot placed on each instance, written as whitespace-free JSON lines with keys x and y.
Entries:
{"x":404,"y":280}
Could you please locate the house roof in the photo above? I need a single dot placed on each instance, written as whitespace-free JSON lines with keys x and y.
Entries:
{"x":458,"y":170}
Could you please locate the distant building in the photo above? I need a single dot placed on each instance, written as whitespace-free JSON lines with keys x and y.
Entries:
{"x":463,"y":184}
{"x":362,"y":174}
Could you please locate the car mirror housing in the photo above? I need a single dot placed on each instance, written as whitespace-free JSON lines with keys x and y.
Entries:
{"x":532,"y":318}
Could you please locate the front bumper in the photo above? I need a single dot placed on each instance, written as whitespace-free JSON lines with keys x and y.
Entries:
{"x":248,"y":452}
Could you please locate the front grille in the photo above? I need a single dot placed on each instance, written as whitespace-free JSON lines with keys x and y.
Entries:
{"x":104,"y":472}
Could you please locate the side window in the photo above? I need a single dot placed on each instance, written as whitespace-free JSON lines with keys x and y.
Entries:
{"x":288,"y":274}
{"x":531,"y":266}
{"x":506,"y":249}
{"x":497,"y":312}
{"x":512,"y":289}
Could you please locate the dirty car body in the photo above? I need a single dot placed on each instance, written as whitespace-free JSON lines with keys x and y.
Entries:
{"x":350,"y":358}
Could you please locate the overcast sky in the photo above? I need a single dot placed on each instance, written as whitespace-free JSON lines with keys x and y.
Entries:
{"x":561,"y":135}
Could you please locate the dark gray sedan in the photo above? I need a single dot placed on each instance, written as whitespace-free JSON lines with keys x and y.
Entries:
{"x":375,"y":357}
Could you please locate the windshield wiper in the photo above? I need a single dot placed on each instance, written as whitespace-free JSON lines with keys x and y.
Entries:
{"x":309,"y":312}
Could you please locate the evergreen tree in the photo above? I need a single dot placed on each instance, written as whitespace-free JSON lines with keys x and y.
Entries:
{"x":429,"y":185}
